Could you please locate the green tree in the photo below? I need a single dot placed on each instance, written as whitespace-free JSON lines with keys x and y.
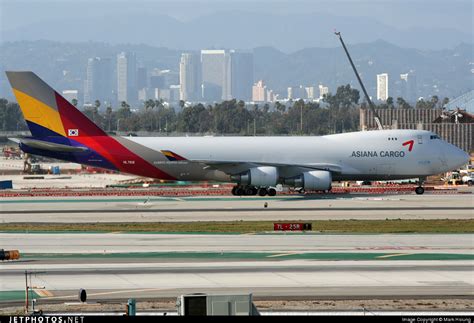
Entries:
{"x":434,"y":101}
{"x":444,"y":102}
{"x":403,"y":104}
{"x":390,"y":102}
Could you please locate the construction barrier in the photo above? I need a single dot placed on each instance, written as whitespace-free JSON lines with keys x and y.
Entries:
{"x":203,"y":190}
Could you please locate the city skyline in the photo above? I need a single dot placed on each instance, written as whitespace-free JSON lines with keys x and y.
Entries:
{"x":159,"y":68}
{"x":228,"y":76}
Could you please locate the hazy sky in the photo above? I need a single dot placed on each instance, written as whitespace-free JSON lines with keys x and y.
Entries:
{"x":456,"y":14}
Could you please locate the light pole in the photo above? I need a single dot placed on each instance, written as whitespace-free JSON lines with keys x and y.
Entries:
{"x":301,"y":119}
{"x":29,"y":287}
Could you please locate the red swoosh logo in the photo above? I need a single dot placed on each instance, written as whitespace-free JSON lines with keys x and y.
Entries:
{"x":410,"y":143}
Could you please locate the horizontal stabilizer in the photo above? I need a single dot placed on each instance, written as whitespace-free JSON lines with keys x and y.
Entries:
{"x":45,"y":145}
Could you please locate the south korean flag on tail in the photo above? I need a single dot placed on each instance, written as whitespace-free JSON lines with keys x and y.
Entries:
{"x":73,"y":132}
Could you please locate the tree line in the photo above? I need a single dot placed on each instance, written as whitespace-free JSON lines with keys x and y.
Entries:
{"x":338,"y":112}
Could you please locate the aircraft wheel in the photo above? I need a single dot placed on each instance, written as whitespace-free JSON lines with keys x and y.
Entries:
{"x":234,"y":190}
{"x":301,"y":191}
{"x":254,"y":191}
{"x":272,"y":192}
{"x":248,"y":190}
{"x":239,"y":191}
{"x":419,"y":190}
{"x":262,"y":191}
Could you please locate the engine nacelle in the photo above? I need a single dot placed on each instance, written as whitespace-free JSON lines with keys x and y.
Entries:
{"x":316,"y":180}
{"x":258,"y":176}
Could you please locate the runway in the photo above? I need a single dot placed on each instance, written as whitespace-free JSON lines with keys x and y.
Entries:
{"x":145,"y":266}
{"x":105,"y":243}
{"x":120,"y":265}
{"x":166,"y":209}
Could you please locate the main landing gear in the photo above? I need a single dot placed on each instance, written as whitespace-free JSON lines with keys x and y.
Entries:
{"x":420,"y":190}
{"x":252,"y":190}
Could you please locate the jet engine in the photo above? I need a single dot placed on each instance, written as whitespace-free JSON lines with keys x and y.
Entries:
{"x":258,"y":176}
{"x":316,"y":180}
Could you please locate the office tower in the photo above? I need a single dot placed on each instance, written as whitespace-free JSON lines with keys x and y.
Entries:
{"x":296,"y":92}
{"x":311,"y":92}
{"x":270,"y":96}
{"x":142,"y":81}
{"x":127,"y":77}
{"x":214,"y":74}
{"x":382,"y":87}
{"x":98,"y":83}
{"x":408,"y":88}
{"x":174,"y":93}
{"x":259,"y":92}
{"x":241,"y":78}
{"x":323,"y":90}
{"x":190,"y":77}
{"x":157,"y":82}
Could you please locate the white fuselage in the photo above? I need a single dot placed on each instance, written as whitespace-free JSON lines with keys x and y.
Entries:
{"x":357,"y":155}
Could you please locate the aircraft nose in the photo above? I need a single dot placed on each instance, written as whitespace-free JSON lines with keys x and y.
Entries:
{"x":458,"y":157}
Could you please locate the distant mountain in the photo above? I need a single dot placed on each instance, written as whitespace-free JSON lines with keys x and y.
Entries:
{"x":234,"y":29}
{"x":446,"y":72}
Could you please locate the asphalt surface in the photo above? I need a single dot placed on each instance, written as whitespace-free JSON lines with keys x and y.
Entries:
{"x":262,"y":279}
{"x":165,"y":209}
{"x":236,"y":264}
{"x":146,"y":266}
{"x":105,"y":243}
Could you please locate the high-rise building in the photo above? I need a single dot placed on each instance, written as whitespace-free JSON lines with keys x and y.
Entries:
{"x":226,"y":75}
{"x":174,"y":93}
{"x":142,"y":80}
{"x":241,"y":78}
{"x":214,"y":74}
{"x":408,"y":89}
{"x":296,"y":92}
{"x":323,"y":90}
{"x":270,"y":96}
{"x":382,"y":87}
{"x":190,"y":77}
{"x":311,"y":92}
{"x":98,"y":83}
{"x":127,"y":77}
{"x":259,"y":92}
{"x":157,"y":82}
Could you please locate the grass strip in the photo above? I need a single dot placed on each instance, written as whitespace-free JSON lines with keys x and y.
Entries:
{"x":241,"y":227}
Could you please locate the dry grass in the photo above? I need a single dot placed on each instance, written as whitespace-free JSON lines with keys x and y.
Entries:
{"x":326,"y":226}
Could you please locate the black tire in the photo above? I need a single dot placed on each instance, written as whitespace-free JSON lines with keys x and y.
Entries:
{"x":419,"y":190}
{"x":262,"y":191}
{"x":469,"y":183}
{"x":248,"y":191}
{"x":234,"y":190}
{"x":239,"y":191}
{"x":254,"y":191}
{"x":272,"y":192}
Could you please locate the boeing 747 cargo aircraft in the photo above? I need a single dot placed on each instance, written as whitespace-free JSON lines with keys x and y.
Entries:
{"x":255,"y":164}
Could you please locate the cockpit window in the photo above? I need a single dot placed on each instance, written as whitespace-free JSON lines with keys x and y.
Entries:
{"x":434,"y":137}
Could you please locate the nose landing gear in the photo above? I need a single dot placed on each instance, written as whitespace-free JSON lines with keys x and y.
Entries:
{"x":420,"y":190}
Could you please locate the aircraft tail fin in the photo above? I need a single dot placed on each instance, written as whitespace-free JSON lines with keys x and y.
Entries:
{"x":46,"y":112}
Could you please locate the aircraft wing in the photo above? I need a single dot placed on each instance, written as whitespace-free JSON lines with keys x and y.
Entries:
{"x":237,"y":167}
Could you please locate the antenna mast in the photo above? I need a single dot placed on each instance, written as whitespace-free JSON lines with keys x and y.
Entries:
{"x":371,"y":105}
